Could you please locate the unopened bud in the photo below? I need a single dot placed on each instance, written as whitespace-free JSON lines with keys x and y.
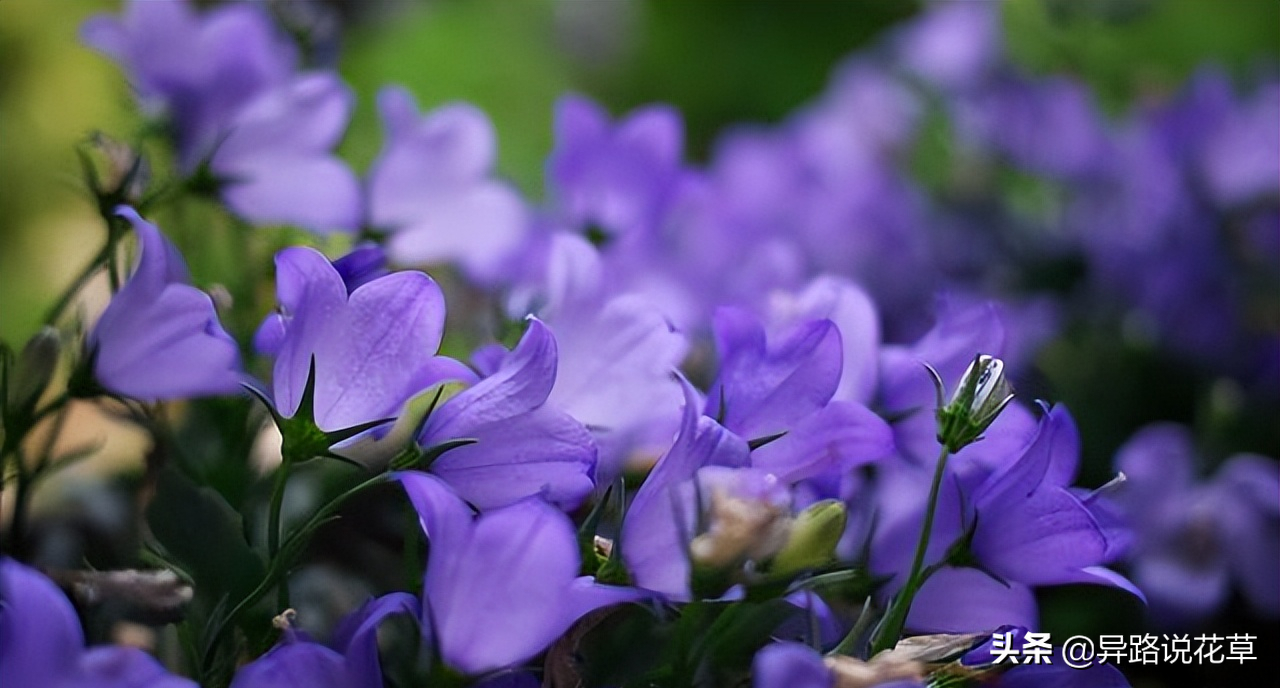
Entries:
{"x":978,"y":400}
{"x":740,"y":530}
{"x":815,"y":532}
{"x":33,"y":370}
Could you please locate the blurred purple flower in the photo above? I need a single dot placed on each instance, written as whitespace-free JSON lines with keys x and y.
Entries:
{"x":225,"y":80}
{"x":297,"y":661}
{"x":373,"y":348}
{"x":618,"y":178}
{"x":433,"y":189}
{"x":274,"y":163}
{"x":502,"y":586}
{"x":1048,"y":126}
{"x":617,"y":353}
{"x":523,"y":445}
{"x":159,"y":337}
{"x":953,"y":45}
{"x":853,"y":312}
{"x":198,"y":70}
{"x":1197,"y":540}
{"x":1241,"y":158}
{"x":42,"y":644}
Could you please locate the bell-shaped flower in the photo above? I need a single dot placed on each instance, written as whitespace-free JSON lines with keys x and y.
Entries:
{"x":198,"y":70}
{"x":159,"y":337}
{"x":432,"y":188}
{"x":1029,"y":527}
{"x":42,"y":644}
{"x":616,"y":354}
{"x":1016,"y":521}
{"x":614,"y":179}
{"x":522,"y":445}
{"x":361,"y":354}
{"x":854,"y":314}
{"x":350,"y":661}
{"x":778,"y":396}
{"x":501,"y":586}
{"x":654,"y":539}
{"x":1195,"y":541}
{"x":275,"y":164}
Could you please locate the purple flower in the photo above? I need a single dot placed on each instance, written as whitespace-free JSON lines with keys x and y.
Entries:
{"x":365,"y":263}
{"x":42,"y":644}
{"x":502,"y":586}
{"x":373,"y":348}
{"x":654,"y":537}
{"x":274,"y":163}
{"x":854,"y":314}
{"x":1049,"y":126}
{"x":790,"y":665}
{"x":159,"y":338}
{"x":523,"y":445}
{"x":782,"y":393}
{"x":1241,"y":159}
{"x":225,"y":81}
{"x":198,"y":70}
{"x":617,"y":354}
{"x":352,"y":661}
{"x":1017,"y":521}
{"x":432,"y":188}
{"x":1197,"y":540}
{"x":615,"y":178}
{"x":954,"y":45}
{"x":907,"y":390}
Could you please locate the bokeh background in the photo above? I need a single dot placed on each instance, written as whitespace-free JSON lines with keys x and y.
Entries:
{"x":722,"y":64}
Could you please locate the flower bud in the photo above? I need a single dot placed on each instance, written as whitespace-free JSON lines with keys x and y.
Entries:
{"x":33,"y":370}
{"x":740,"y":529}
{"x":815,"y":532}
{"x":978,"y":400}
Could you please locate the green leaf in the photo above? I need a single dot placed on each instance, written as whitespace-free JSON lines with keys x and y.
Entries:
{"x":201,"y":531}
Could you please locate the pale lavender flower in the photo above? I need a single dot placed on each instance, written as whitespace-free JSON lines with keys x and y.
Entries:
{"x":617,"y":354}
{"x":274,"y":163}
{"x":616,"y":178}
{"x":159,"y":337}
{"x":197,"y":69}
{"x":433,"y":190}
{"x":654,"y":538}
{"x":953,"y":45}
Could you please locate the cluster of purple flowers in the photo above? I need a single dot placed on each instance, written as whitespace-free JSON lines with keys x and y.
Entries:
{"x":747,"y":336}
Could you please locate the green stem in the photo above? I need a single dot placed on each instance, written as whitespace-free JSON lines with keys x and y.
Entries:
{"x":273,"y":526}
{"x":896,"y":617}
{"x":278,"y":565}
{"x":21,"y":495}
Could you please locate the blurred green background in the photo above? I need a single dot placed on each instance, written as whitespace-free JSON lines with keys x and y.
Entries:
{"x":721,"y":62}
